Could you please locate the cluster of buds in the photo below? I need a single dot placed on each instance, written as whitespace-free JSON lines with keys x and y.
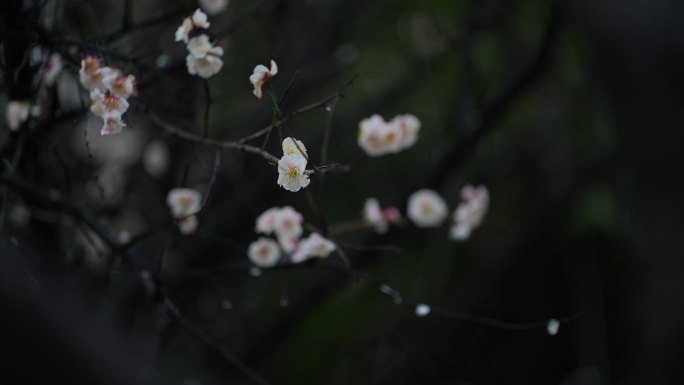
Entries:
{"x":292,"y":175}
{"x":185,"y":203}
{"x":378,"y":217}
{"x":285,"y":223}
{"x":109,"y":91}
{"x":204,"y":58}
{"x":470,"y":212}
{"x":378,"y":137}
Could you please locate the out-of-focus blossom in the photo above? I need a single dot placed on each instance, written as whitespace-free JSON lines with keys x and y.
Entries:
{"x":379,"y":218}
{"x":101,"y":103}
{"x":184,"y":202}
{"x":288,"y":244}
{"x":112,"y":123}
{"x":92,"y":74}
{"x":17,"y":113}
{"x":123,"y":86}
{"x":196,"y":21}
{"x":470,"y":212}
{"x":313,"y":246}
{"x":291,"y":172}
{"x":204,"y":58}
{"x":288,"y":223}
{"x":266,"y":221}
{"x":422,"y":310}
{"x":261,"y":76}
{"x":188,"y":225}
{"x":156,"y":158}
{"x":426,"y":208}
{"x":264,"y":252}
{"x":378,"y":137}
{"x":53,"y":68}
{"x":292,"y":146}
{"x":410,"y":126}
{"x":213,"y":7}
{"x":552,"y":327}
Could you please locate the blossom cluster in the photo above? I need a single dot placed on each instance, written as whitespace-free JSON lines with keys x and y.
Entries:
{"x":185,"y":203}
{"x":285,"y":223}
{"x":426,"y":208}
{"x":204,"y":58}
{"x":292,"y":175}
{"x":109,"y":93}
{"x":378,"y":137}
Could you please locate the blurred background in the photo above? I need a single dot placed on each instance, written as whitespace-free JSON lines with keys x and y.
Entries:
{"x":568,"y":111}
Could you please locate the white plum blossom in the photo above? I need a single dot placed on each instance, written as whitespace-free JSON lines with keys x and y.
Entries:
{"x":264,"y":252}
{"x":184,"y":202}
{"x":213,"y":7}
{"x":288,"y":244}
{"x":198,"y":20}
{"x":261,"y":76}
{"x":112,"y":123}
{"x":410,"y":126}
{"x":53,"y":67}
{"x":426,"y":208}
{"x":470,"y":212}
{"x":188,"y":225}
{"x":291,"y":172}
{"x":292,"y":146}
{"x":313,"y":246}
{"x":379,"y":218}
{"x":17,"y":113}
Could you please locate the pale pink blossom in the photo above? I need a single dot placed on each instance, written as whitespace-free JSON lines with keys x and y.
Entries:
{"x":264,"y":252}
{"x":156,"y":158}
{"x":53,"y":68}
{"x":288,"y":244}
{"x":291,"y":173}
{"x":287,"y":223}
{"x":198,"y":20}
{"x":266,"y":221}
{"x":103,"y":103}
{"x":313,"y":246}
{"x":188,"y":225}
{"x":470,"y":212}
{"x":113,"y":124}
{"x":17,"y":113}
{"x":184,"y":202}
{"x":92,"y":73}
{"x":379,"y":218}
{"x":261,"y":76}
{"x":410,"y":126}
{"x":123,"y":86}
{"x":426,"y":208}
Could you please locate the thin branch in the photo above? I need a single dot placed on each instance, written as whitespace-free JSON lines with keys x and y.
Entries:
{"x":210,"y":341}
{"x":173,"y":130}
